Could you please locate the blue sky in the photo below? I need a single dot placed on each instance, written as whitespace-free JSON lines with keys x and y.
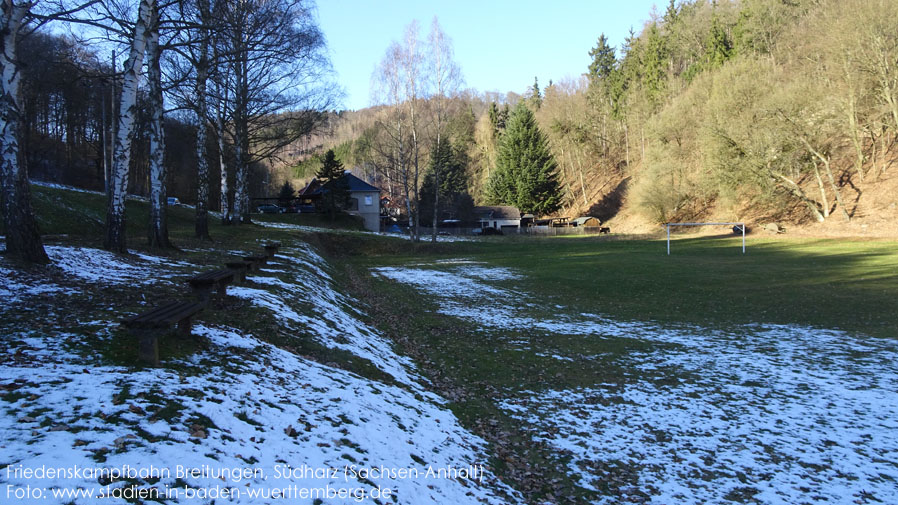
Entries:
{"x":500,"y":45}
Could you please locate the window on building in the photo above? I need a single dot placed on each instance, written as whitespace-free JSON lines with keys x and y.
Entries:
{"x":369,"y":200}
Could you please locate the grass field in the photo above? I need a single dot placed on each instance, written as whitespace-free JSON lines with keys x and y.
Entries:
{"x":605,"y":371}
{"x":845,"y":284}
{"x":599,"y":370}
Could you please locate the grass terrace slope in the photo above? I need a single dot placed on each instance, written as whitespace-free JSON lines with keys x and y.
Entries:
{"x":283,"y":391}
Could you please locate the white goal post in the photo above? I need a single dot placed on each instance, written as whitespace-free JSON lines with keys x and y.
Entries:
{"x":740,"y":225}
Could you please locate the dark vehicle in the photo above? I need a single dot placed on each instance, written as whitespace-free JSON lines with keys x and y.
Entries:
{"x":291,"y":209}
{"x":267,"y":208}
{"x":488,"y":231}
{"x":307,"y":209}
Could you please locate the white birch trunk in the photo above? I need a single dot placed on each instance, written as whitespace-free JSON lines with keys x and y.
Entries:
{"x":240,"y":209}
{"x":158,"y":233}
{"x":225,"y":207}
{"x":239,"y":178}
{"x":201,"y":225}
{"x":22,"y":238}
{"x":121,"y":159}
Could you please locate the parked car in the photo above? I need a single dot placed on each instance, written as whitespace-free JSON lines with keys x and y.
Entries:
{"x":268,"y":208}
{"x":173,"y":201}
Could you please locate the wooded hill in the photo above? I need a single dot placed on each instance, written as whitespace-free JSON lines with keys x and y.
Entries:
{"x":756,"y":110}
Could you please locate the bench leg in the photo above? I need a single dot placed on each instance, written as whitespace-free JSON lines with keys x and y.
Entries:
{"x":203,"y":294}
{"x":184,"y":326}
{"x":222,"y":288}
{"x":148,"y":347}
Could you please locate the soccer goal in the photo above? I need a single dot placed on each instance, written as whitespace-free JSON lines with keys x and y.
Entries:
{"x":734,"y":225}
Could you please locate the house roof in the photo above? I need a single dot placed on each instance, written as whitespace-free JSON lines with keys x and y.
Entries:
{"x":497,"y":212}
{"x":355,"y":184}
{"x":312,"y":188}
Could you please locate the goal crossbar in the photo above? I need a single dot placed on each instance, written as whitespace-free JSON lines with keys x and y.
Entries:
{"x":740,"y":225}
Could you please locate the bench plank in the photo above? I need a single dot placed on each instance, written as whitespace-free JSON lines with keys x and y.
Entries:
{"x":163,"y":316}
{"x":150,"y":324}
{"x":203,"y":284}
{"x":257,"y":260}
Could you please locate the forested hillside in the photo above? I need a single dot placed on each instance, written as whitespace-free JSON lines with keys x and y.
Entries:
{"x":761,"y":110}
{"x":755,"y":110}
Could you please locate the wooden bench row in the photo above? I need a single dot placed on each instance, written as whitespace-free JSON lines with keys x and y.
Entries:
{"x":178,"y":315}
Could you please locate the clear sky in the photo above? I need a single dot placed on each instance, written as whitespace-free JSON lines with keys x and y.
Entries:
{"x":500,"y":45}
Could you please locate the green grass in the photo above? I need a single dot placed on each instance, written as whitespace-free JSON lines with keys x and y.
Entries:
{"x":708,"y":282}
{"x":841,"y":284}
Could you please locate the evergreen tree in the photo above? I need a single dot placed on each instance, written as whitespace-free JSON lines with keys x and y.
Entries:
{"x":603,"y":60}
{"x":536,"y":98}
{"x":287,"y":194}
{"x":654,"y":65}
{"x":525,"y":168}
{"x":718,"y":46}
{"x":335,"y":187}
{"x":449,"y":164}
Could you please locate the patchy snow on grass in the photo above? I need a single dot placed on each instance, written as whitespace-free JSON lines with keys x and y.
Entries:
{"x":54,"y":185}
{"x":333,"y":318}
{"x":103,"y":267}
{"x":316,"y":229}
{"x":443,"y":284}
{"x":17,"y":287}
{"x":290,"y":423}
{"x":768,"y":414}
{"x":238,"y":405}
{"x":778,"y":415}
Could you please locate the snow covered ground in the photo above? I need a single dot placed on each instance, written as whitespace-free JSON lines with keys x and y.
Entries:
{"x":314,"y":229}
{"x":762,"y":414}
{"x":243,"y":420}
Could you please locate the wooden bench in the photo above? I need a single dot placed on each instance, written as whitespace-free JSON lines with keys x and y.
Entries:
{"x":203,"y":284}
{"x":257,"y":261}
{"x":149,"y":325}
{"x":272,"y":248}
{"x":240,"y":268}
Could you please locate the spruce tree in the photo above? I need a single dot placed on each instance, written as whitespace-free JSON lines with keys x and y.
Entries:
{"x":603,"y":60}
{"x":334,"y":185}
{"x":287,"y":194}
{"x":525,"y":168}
{"x":448,"y":166}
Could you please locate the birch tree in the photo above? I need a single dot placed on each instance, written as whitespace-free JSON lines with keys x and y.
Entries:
{"x":447,"y":78}
{"x":389,"y":90}
{"x":195,"y":62}
{"x":18,"y":19}
{"x":158,"y":229}
{"x":121,"y":159}
{"x":274,"y":82}
{"x":22,"y":237}
{"x":400,"y":84}
{"x":203,"y":65}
